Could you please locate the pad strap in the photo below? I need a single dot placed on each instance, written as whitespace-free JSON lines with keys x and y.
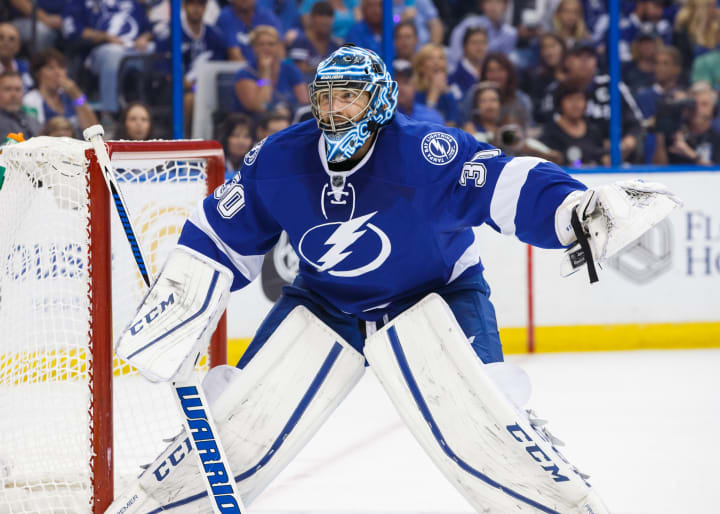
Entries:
{"x":586,"y":255}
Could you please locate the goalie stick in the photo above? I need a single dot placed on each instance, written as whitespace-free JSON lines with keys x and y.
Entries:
{"x":188,"y":393}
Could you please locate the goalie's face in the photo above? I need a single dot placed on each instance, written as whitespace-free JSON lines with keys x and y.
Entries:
{"x":339,"y":106}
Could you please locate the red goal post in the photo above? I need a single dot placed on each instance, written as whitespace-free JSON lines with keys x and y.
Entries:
{"x":68,"y":284}
{"x":102,"y":463}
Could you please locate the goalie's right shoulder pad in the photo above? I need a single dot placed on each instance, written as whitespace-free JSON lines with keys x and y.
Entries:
{"x":177,"y":317}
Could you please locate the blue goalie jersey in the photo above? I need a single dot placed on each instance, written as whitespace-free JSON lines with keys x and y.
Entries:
{"x":396,"y":225}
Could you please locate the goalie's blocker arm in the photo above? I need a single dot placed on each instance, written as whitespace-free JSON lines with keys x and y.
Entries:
{"x":177,"y":317}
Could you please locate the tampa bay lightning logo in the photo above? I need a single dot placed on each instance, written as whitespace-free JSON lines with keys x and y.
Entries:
{"x":253,"y":153}
{"x":345,"y":248}
{"x":439,"y":148}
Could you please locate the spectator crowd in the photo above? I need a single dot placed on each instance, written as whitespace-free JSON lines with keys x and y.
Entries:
{"x":529,"y":76}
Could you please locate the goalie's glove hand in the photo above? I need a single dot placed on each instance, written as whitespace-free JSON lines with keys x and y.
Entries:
{"x":602,"y":221}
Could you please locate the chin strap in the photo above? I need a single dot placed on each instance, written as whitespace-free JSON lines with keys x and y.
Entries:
{"x":585,"y":253}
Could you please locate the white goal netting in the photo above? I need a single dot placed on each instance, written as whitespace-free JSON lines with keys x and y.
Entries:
{"x":46,"y":329}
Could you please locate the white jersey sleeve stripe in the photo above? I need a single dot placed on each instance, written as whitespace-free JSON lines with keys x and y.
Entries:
{"x":470,"y":257}
{"x":503,"y":205}
{"x":248,"y":265}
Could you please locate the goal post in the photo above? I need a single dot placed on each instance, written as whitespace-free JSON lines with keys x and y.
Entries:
{"x":78,"y":422}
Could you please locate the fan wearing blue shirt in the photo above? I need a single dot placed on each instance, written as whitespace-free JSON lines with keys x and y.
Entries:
{"x":345,"y":13}
{"x":311,"y":47}
{"x":200,"y":43}
{"x":467,"y":72}
{"x":117,"y":29}
{"x":48,"y":14}
{"x":273,"y":81}
{"x":367,"y":33}
{"x":406,"y":95}
{"x":287,"y":12}
{"x":433,"y":91}
{"x":9,"y":49}
{"x":237,"y":19}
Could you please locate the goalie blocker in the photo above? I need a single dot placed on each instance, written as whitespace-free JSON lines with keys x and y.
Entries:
{"x":177,"y":317}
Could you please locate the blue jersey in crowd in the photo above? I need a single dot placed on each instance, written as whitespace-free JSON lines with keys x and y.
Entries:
{"x":463,"y":79}
{"x":446,"y":105}
{"x":23,"y":68}
{"x":396,"y":225}
{"x":360,"y":34}
{"x":302,"y":50}
{"x":208,"y":46}
{"x":283,"y":92}
{"x":342,"y":20}
{"x":125,"y":19}
{"x":236,"y":33}
{"x":49,"y":6}
{"x":286,"y":12}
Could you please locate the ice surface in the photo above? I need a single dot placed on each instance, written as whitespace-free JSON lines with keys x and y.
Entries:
{"x":643,"y":424}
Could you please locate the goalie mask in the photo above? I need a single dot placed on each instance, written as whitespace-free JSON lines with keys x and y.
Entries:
{"x":351,"y":97}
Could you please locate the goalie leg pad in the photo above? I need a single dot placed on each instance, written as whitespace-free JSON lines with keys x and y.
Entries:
{"x":478,"y":438}
{"x":265,"y":413}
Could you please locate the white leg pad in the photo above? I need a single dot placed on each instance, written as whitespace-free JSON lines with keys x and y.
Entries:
{"x":265,"y":414}
{"x":478,"y":438}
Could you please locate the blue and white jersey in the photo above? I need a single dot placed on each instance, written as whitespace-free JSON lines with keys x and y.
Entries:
{"x":396,"y":225}
{"x":125,"y":19}
{"x":23,"y":68}
{"x":208,"y":46}
{"x":236,"y":33}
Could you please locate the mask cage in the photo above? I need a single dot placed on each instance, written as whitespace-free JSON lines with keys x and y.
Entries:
{"x":320,"y":91}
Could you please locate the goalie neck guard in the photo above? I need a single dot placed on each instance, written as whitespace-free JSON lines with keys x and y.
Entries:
{"x":346,"y":75}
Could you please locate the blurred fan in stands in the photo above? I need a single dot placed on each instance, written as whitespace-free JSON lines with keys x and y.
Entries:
{"x":406,"y":40}
{"x":113,"y":30}
{"x":311,"y":47}
{"x":48,"y":21}
{"x":499,"y":69}
{"x":13,"y":116}
{"x":550,"y":69}
{"x":485,"y":114}
{"x":575,"y":138}
{"x":407,"y":103}
{"x":9,"y":50}
{"x":59,"y":126}
{"x":684,"y":131}
{"x":237,"y":20}
{"x":236,"y":134}
{"x":431,"y":83}
{"x":136,"y":123}
{"x":56,"y":94}
{"x":467,"y":72}
{"x":274,"y":81}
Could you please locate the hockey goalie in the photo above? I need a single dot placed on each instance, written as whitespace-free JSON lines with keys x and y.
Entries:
{"x":380,"y":209}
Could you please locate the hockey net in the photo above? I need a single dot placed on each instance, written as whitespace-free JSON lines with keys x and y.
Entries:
{"x":71,"y":412}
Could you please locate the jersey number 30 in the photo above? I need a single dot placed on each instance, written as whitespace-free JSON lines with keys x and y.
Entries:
{"x":232,"y":200}
{"x":475,"y":173}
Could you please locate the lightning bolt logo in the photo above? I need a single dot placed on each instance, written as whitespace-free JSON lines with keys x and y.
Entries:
{"x":438,"y":148}
{"x":344,"y":236}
